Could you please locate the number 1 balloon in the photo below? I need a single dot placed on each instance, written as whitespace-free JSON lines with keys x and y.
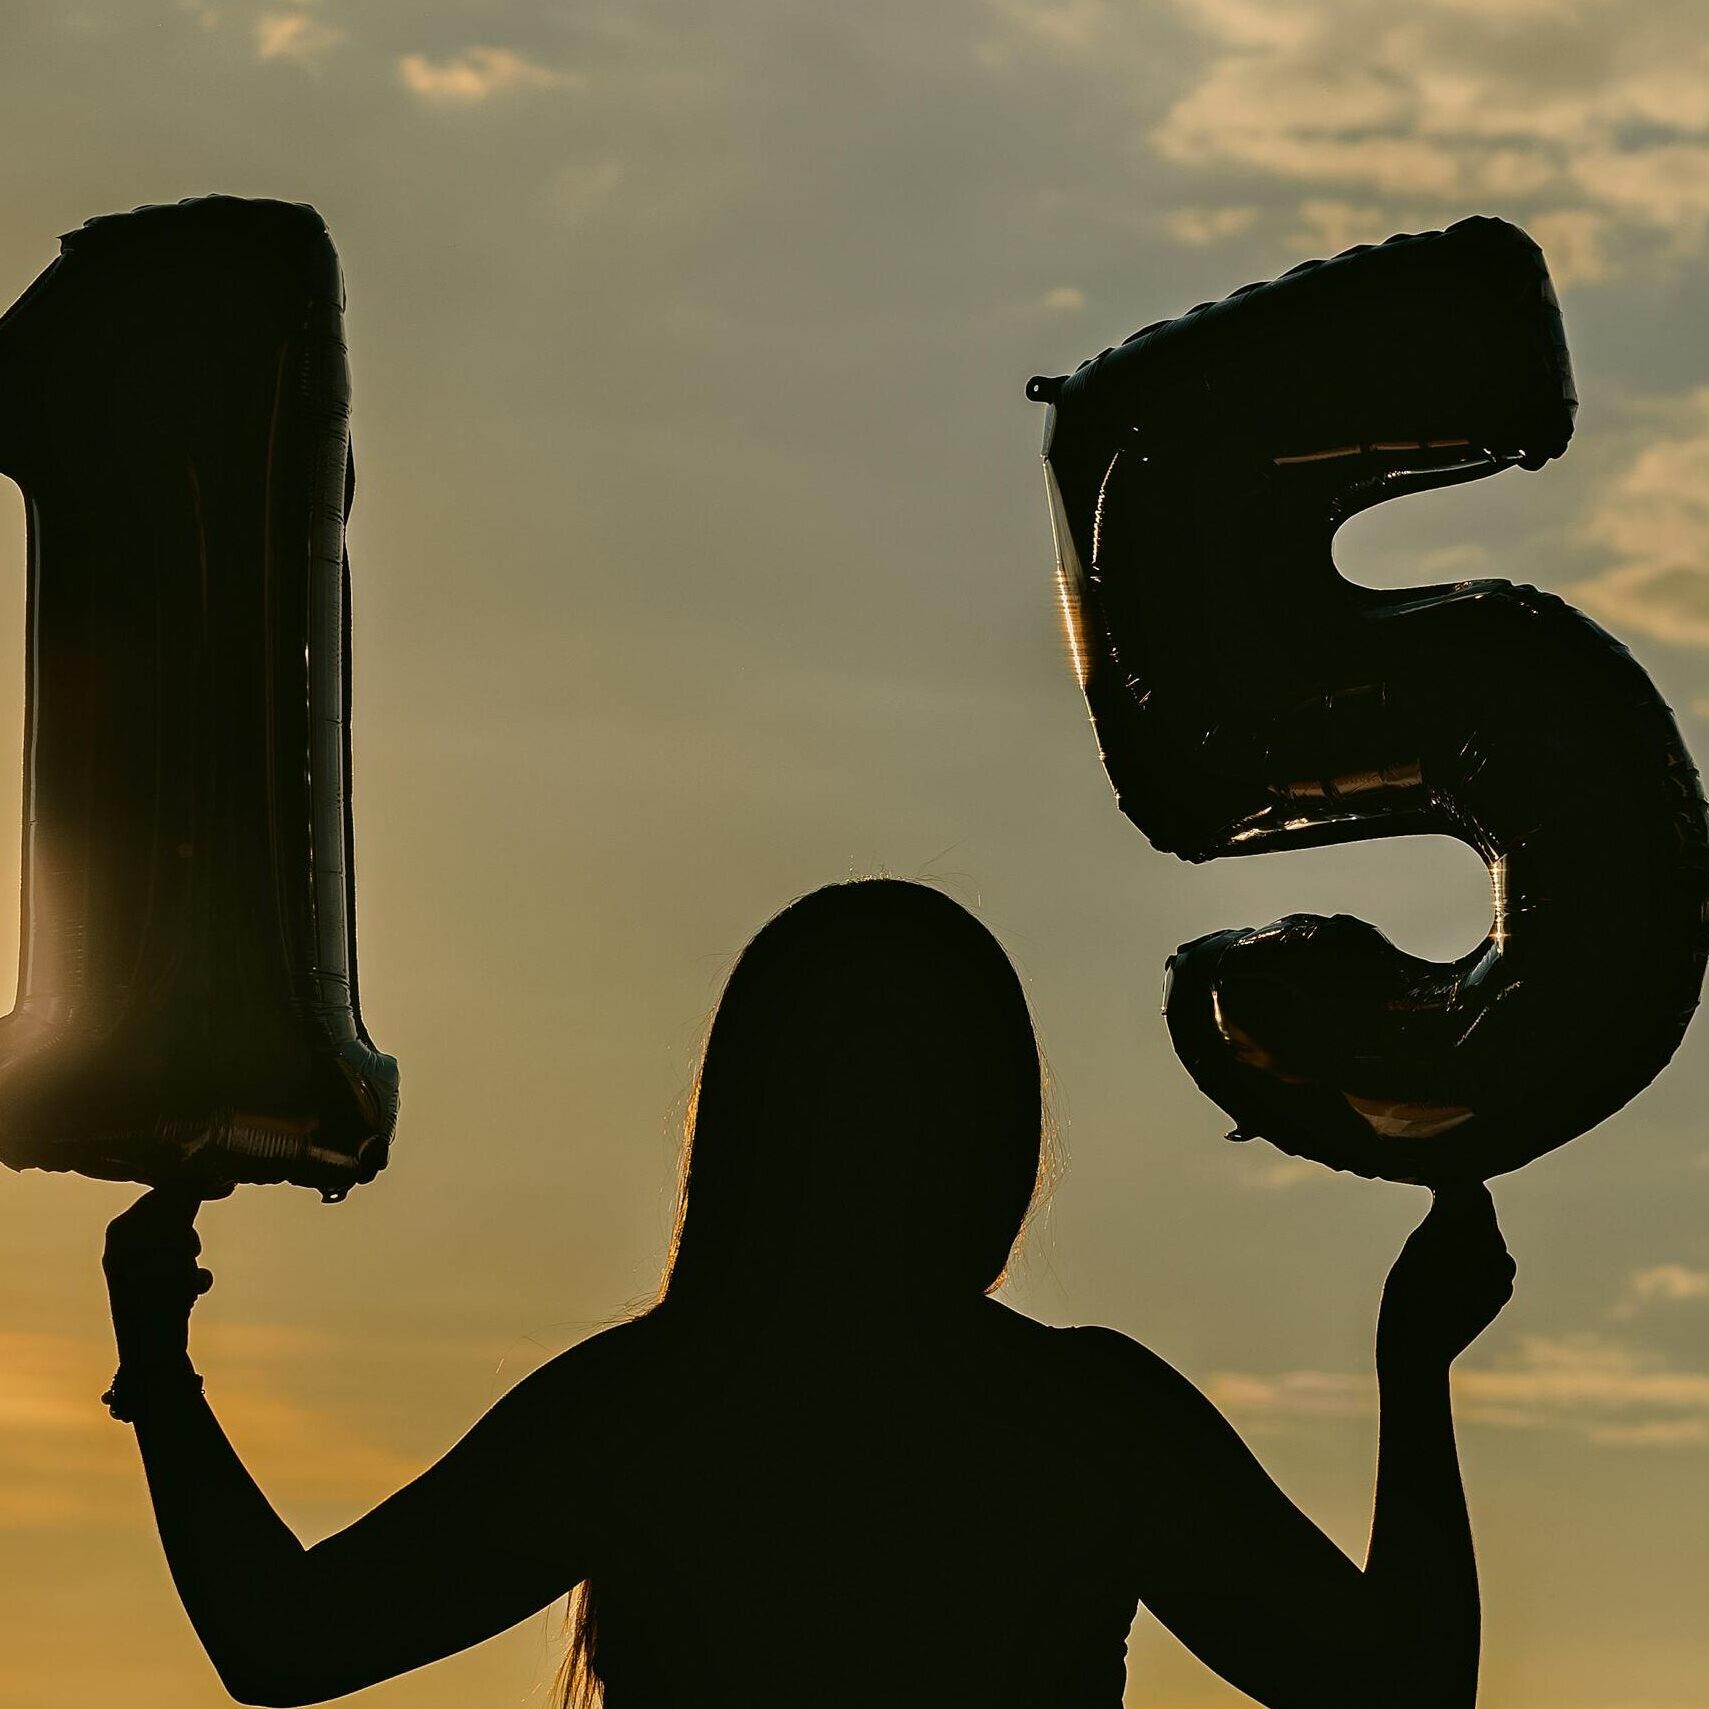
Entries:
{"x":1247,"y":698}
{"x":176,"y":411}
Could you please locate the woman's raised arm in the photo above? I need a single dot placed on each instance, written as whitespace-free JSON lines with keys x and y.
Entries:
{"x":1249,"y":1583}
{"x":480,"y":1540}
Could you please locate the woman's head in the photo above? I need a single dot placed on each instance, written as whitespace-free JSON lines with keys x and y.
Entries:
{"x":869,"y":1105}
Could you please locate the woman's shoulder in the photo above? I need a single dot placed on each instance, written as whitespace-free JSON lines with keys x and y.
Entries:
{"x":585,"y":1377}
{"x":1114,"y":1372}
{"x":1088,"y":1345}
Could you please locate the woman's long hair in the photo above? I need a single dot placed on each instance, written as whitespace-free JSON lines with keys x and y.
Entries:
{"x":869,"y":1108}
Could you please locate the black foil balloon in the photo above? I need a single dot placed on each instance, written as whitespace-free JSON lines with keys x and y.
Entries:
{"x":1247,"y":698}
{"x":175,"y":407}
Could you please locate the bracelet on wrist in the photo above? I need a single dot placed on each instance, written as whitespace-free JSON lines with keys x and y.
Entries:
{"x":136,"y":1387}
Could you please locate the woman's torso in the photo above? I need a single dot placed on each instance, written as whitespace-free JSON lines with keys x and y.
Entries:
{"x":840,"y":1514}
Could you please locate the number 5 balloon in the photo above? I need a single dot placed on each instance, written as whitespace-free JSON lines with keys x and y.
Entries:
{"x":176,"y":410}
{"x":1247,"y":698}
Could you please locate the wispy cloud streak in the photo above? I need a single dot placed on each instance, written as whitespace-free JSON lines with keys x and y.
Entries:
{"x":1613,"y":1394}
{"x":478,"y":73}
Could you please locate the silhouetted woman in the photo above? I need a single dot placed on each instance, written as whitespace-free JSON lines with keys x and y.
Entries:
{"x":827,"y":1468}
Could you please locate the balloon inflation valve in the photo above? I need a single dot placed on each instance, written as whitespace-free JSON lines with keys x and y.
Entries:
{"x":334,"y":1195}
{"x":1045,"y":388}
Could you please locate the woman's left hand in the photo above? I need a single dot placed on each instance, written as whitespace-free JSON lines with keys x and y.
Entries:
{"x":153,"y":1278}
{"x":1451,"y":1280}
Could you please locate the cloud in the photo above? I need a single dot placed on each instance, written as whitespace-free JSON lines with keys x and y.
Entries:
{"x":1071,"y":28}
{"x":1277,"y":1174}
{"x":1063,"y":299}
{"x":1667,"y":601}
{"x":1671,"y":1282}
{"x":1056,"y":302}
{"x":1612,"y":1394}
{"x":1588,"y":118}
{"x":1576,"y":241}
{"x":1259,"y":24}
{"x":1662,"y":1284}
{"x":1663,"y":186}
{"x":1653,"y":518}
{"x":1293,"y":1394}
{"x":1334,"y":226}
{"x":296,"y":37}
{"x":1197,"y":227}
{"x":477,"y":73}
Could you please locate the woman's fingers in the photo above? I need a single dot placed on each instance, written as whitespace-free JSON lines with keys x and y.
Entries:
{"x":1460,"y":1240}
{"x":1480,"y":1250}
{"x":153,"y":1277}
{"x":1467,"y":1203}
{"x":158,"y":1209}
{"x":1465,"y":1213}
{"x":158,"y":1231}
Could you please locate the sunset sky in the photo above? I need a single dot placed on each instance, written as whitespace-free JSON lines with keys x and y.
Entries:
{"x":701,"y":557}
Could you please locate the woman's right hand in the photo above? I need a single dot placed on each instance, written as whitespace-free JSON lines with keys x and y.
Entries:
{"x":1453,"y":1276}
{"x":153,"y":1278}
